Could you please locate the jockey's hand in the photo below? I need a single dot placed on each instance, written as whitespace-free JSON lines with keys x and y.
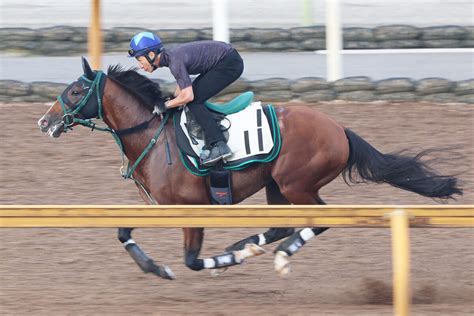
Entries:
{"x":160,"y":108}
{"x":169,"y":105}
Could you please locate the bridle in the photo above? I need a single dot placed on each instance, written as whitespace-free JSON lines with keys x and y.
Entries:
{"x":94,"y":110}
{"x":72,"y":111}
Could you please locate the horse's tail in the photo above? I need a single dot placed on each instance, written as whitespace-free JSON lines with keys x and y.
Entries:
{"x":402,"y":171}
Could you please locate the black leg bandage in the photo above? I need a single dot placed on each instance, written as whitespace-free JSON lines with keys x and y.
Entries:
{"x":291,"y":245}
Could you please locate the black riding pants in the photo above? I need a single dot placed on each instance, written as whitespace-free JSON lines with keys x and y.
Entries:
{"x":207,"y":85}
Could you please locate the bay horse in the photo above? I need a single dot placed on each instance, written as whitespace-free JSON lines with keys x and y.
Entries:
{"x":315,"y":149}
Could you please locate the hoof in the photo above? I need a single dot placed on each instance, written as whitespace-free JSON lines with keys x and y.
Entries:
{"x":255,"y":249}
{"x":164,"y":272}
{"x":282,"y":263}
{"x":250,"y":250}
{"x":217,"y":272}
{"x":167,"y":273}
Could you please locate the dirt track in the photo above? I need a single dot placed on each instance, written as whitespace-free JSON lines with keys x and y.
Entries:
{"x":342,"y":272}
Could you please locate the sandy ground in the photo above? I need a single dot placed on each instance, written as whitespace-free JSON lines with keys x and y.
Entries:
{"x":342,"y":272}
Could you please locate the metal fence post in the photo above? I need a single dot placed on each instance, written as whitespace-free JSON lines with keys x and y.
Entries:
{"x":400,"y":262}
{"x":333,"y":40}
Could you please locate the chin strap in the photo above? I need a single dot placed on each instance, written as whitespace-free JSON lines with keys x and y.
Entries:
{"x":152,"y":61}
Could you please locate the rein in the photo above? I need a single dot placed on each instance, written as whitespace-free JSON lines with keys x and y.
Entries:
{"x":134,"y":129}
{"x":128,"y":173}
{"x":69,"y":119}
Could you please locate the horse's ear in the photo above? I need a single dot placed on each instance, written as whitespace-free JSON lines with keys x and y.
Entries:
{"x":87,"y":69}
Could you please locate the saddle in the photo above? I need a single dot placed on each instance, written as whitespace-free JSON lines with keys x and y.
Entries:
{"x":218,"y":113}
{"x":250,"y":128}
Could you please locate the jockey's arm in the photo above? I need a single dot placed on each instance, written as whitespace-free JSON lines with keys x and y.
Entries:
{"x":177,"y":91}
{"x":184,"y":96}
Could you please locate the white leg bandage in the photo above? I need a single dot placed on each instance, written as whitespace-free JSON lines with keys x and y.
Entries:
{"x":128,"y":242}
{"x":209,"y":263}
{"x":306,"y":234}
{"x":262,"y":240}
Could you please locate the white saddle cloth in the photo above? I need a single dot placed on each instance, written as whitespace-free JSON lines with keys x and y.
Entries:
{"x":249,"y":133}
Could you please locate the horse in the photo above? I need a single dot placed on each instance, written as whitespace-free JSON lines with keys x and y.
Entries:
{"x":315,"y":149}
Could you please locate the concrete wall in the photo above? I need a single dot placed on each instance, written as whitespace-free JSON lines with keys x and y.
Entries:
{"x":309,"y":90}
{"x":67,"y":40}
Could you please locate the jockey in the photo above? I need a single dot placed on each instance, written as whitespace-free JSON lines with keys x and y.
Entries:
{"x":218,"y":65}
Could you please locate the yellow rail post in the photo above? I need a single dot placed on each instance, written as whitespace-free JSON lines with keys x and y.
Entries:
{"x":401,"y":262}
{"x":94,"y":36}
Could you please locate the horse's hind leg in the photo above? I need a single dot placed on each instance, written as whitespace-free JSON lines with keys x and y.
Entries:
{"x":274,"y":197}
{"x":250,"y":246}
{"x":293,"y":244}
{"x":144,"y":262}
{"x":271,"y":235}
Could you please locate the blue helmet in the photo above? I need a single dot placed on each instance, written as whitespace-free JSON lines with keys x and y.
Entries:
{"x":143,"y":43}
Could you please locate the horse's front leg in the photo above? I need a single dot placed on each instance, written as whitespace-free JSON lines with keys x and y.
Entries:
{"x":144,"y":262}
{"x":193,"y":238}
{"x":271,"y":235}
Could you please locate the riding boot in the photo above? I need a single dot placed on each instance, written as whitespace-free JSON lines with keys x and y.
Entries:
{"x":218,"y":151}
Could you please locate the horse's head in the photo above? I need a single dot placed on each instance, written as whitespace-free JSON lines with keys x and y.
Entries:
{"x":79,"y":101}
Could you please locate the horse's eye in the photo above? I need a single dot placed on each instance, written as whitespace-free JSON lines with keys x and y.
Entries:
{"x":75,"y":93}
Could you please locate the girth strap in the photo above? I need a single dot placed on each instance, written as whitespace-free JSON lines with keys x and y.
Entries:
{"x":221,"y":185}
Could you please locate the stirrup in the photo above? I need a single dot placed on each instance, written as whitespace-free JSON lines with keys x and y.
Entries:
{"x":210,"y":162}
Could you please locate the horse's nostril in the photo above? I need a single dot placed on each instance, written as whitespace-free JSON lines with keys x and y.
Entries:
{"x":43,"y":123}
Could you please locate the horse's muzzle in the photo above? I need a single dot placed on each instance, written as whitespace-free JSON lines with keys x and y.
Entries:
{"x":49,"y":128}
{"x":43,"y":124}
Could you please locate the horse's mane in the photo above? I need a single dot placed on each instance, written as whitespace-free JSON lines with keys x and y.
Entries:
{"x":146,"y":90}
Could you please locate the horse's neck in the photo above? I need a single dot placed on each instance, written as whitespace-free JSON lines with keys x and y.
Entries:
{"x":122,"y":110}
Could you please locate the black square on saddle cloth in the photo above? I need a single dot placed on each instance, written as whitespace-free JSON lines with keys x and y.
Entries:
{"x":253,"y":136}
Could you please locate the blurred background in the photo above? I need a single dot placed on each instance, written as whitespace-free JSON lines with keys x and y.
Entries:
{"x":400,"y":74}
{"x":168,"y":14}
{"x":267,"y":32}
